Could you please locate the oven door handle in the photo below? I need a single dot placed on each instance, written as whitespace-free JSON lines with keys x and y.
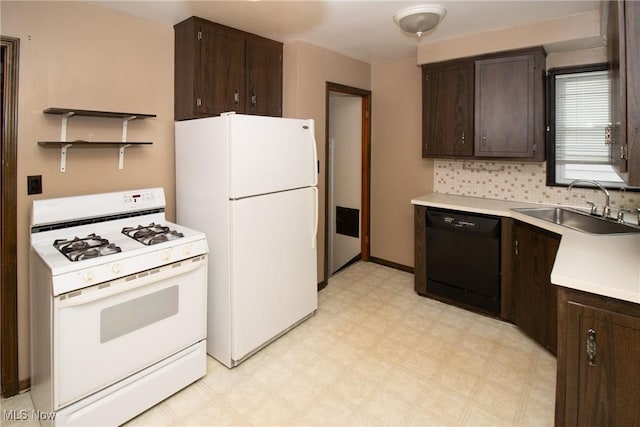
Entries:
{"x":314,"y":146}
{"x":129,"y":283}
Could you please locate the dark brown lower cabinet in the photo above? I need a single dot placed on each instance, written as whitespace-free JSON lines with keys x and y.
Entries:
{"x":420,"y":249}
{"x":598,"y":381}
{"x":534,"y":296}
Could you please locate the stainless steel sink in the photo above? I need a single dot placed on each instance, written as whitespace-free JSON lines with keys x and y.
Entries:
{"x":579,"y":221}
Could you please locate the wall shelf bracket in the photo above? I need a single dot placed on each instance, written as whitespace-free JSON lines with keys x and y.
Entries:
{"x":63,"y":127}
{"x":121,"y":155}
{"x":125,"y":123}
{"x":63,"y":155}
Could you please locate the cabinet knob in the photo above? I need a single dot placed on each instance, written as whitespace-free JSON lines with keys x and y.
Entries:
{"x":484,"y":140}
{"x":236,"y":96}
{"x":254,"y":98}
{"x":462,"y":138}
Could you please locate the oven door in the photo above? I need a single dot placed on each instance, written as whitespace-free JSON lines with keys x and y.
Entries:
{"x":107,"y":332}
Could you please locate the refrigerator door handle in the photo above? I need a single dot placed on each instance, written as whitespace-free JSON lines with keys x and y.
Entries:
{"x":314,"y":238}
{"x":316,"y":166}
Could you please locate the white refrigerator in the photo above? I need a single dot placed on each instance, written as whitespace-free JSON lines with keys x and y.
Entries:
{"x":250,"y":184}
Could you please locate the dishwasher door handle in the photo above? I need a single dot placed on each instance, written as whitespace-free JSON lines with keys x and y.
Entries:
{"x":467,"y":223}
{"x":463,"y":224}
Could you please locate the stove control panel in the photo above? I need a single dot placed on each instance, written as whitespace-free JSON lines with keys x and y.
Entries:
{"x":139,"y":197}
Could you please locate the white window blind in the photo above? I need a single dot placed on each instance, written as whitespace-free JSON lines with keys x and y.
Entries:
{"x":582,"y":112}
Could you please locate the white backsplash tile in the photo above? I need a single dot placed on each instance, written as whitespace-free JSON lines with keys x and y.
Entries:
{"x":523,"y":182}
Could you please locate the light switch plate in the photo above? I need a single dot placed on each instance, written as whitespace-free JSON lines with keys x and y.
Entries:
{"x":34,"y":184}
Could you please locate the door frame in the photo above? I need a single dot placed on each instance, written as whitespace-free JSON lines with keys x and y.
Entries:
{"x":365,"y":217}
{"x":10,"y":48}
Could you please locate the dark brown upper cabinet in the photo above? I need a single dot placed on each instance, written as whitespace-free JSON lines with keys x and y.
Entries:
{"x":264,"y":76}
{"x":447,"y":105}
{"x":219,"y":69}
{"x":505,"y":107}
{"x":623,"y":34}
{"x":485,"y":107}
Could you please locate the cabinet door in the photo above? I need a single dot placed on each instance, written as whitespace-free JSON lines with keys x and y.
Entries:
{"x":205,"y":72}
{"x":504,"y":107}
{"x":420,"y":249}
{"x":447,"y":109}
{"x":225,"y":71}
{"x":623,"y":32}
{"x":632,"y":41}
{"x":603,"y":381}
{"x":616,"y":55}
{"x":535,"y":297}
{"x":263,"y":77}
{"x":192,"y":92}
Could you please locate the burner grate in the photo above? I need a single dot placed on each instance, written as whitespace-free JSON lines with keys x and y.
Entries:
{"x":151,"y":234}
{"x":80,"y":248}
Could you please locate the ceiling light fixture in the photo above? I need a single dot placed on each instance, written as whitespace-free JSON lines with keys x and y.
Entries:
{"x":420,"y":19}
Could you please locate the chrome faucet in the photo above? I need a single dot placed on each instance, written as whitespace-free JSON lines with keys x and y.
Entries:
{"x":606,"y":210}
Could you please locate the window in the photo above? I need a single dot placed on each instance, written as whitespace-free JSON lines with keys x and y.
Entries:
{"x":579,"y":113}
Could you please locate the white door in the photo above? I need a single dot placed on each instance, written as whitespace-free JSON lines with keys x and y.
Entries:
{"x":107,"y":333}
{"x":269,"y":154}
{"x":273,"y":266}
{"x":345,"y":180}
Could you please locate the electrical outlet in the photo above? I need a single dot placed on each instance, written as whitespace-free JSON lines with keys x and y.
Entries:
{"x":34,"y":184}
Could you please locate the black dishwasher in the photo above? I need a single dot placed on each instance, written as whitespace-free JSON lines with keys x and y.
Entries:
{"x":463,"y":258}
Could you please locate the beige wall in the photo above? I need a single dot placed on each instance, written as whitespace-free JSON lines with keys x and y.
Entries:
{"x":307,"y":69}
{"x":576,"y":57}
{"x":578,"y":31}
{"x":78,"y":55}
{"x":399,"y":172}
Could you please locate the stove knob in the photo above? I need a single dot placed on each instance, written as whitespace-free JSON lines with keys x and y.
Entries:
{"x":116,"y":268}
{"x":165,"y":255}
{"x":186,"y":250}
{"x":89,"y":275}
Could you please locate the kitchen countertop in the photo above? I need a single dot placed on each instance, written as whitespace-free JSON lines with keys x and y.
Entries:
{"x":607,"y":265}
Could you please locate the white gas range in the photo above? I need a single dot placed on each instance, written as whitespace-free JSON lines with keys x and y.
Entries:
{"x":118,"y":306}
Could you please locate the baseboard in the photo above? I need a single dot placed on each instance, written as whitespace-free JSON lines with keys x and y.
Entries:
{"x":24,"y":385}
{"x":391,"y":264}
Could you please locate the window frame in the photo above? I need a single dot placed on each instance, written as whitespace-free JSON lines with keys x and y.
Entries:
{"x":551,"y":121}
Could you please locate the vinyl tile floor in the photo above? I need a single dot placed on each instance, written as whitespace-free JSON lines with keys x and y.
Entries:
{"x":375,"y":353}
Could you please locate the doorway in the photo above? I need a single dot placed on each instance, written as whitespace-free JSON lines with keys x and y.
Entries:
{"x":8,"y":202}
{"x":347,"y":176}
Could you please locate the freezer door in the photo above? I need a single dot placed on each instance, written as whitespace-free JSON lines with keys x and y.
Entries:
{"x":269,"y":154}
{"x":273,"y":266}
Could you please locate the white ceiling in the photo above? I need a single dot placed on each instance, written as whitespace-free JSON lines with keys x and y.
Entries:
{"x":361,"y":29}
